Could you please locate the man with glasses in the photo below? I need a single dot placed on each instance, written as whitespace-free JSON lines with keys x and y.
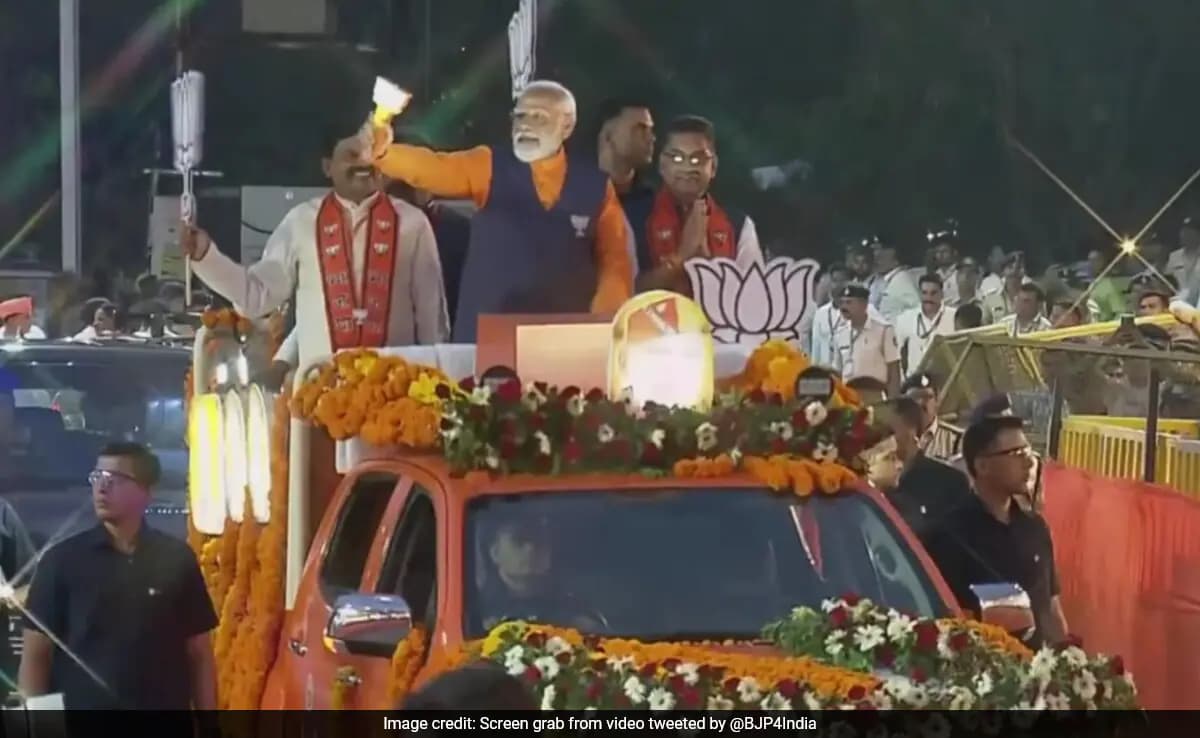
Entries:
{"x":549,"y":235}
{"x":685,"y":221}
{"x":119,"y":616}
{"x":990,"y":539}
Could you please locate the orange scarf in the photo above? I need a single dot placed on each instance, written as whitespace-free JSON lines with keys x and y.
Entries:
{"x":665,"y":226}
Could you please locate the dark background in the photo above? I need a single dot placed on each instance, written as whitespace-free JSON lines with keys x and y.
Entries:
{"x":900,"y":108}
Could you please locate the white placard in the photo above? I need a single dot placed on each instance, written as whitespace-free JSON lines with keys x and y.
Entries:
{"x":757,"y":303}
{"x":522,"y":46}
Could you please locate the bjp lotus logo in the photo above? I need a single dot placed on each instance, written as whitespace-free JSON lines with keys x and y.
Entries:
{"x":757,"y":303}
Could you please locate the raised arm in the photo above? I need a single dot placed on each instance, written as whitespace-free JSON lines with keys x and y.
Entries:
{"x":453,"y":174}
{"x":255,"y":290}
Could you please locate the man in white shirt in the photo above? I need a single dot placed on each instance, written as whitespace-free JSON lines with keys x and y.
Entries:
{"x":916,"y":328}
{"x":993,"y":281}
{"x":1027,"y":316}
{"x":893,"y":290}
{"x":967,"y":277}
{"x":818,"y":343}
{"x":362,"y":267}
{"x":864,"y":346}
{"x":999,"y":304}
{"x":944,"y":241}
{"x":935,"y":440}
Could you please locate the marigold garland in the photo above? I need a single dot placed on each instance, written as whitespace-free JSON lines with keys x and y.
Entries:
{"x":773,"y":368}
{"x":227,"y":319}
{"x":341,"y":687}
{"x":803,"y":476}
{"x":407,"y":661}
{"x":234,"y":606}
{"x":385,"y":399}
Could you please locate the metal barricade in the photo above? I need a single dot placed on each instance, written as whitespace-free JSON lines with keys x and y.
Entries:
{"x":1116,"y":447}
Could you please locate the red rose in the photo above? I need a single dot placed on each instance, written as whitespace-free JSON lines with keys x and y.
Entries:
{"x":688,"y":697}
{"x":509,"y":391}
{"x":851,"y":599}
{"x":569,"y":392}
{"x":798,"y":419}
{"x":621,"y":449}
{"x":885,"y":656}
{"x":1071,"y":640}
{"x":543,"y":463}
{"x":959,"y":641}
{"x":675,"y":683}
{"x":652,"y":455}
{"x":778,"y":447}
{"x":508,"y":449}
{"x":839,"y":617}
{"x":595,"y":394}
{"x":671,"y":665}
{"x":856,"y":693}
{"x":508,"y":427}
{"x":730,"y":685}
{"x":787,"y":688}
{"x":595,"y":690}
{"x":572,"y":451}
{"x":442,"y":391}
{"x":1117,"y":665}
{"x":536,"y":639}
{"x":918,"y":675}
{"x":541,"y":387}
{"x":775,"y":399}
{"x":563,"y":658}
{"x":927,"y":635}
{"x":537,"y":422}
{"x":532,"y":674}
{"x":649,"y":670}
{"x":756,"y":396}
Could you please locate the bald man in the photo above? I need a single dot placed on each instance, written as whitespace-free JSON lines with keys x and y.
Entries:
{"x":549,"y":235}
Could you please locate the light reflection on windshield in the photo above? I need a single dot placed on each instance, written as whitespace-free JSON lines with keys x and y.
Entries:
{"x":695,"y":563}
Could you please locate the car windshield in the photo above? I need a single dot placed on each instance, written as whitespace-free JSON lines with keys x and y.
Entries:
{"x":61,"y":412}
{"x":680,"y":563}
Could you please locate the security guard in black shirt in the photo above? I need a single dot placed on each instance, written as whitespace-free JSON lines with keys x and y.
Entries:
{"x":127,"y":602}
{"x":928,"y":490}
{"x":992,"y":540}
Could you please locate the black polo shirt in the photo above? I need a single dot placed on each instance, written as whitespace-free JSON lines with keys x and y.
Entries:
{"x":128,"y":617}
{"x":929,"y":491}
{"x":972,"y":547}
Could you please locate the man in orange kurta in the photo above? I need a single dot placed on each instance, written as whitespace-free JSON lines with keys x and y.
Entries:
{"x":549,"y":235}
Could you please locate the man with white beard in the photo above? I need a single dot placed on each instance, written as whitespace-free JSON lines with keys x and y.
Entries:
{"x":549,"y":236}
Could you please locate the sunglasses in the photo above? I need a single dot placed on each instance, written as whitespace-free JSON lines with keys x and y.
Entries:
{"x":696,"y":159}
{"x":105,"y":478}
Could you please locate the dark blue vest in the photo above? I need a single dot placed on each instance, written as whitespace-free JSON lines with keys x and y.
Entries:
{"x":527,"y":259}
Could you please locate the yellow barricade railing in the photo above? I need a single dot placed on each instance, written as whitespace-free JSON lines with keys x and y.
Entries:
{"x":1115,"y":447}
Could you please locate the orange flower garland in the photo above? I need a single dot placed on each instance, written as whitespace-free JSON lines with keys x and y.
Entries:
{"x":407,"y":661}
{"x":702,"y":468}
{"x":234,"y":606}
{"x":385,"y":399}
{"x":773,"y":369}
{"x":226,"y":318}
{"x":804,"y":476}
{"x":994,"y":636}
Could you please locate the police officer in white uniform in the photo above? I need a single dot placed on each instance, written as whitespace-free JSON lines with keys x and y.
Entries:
{"x":865,"y":346}
{"x":916,"y":328}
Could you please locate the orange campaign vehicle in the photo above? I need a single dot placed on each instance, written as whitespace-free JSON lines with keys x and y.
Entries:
{"x":666,"y":525}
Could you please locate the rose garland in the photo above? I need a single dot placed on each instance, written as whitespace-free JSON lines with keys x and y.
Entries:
{"x":544,"y":430}
{"x":951,"y":664}
{"x":385,"y":399}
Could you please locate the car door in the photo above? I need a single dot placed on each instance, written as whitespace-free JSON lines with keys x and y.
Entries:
{"x":335,"y":566}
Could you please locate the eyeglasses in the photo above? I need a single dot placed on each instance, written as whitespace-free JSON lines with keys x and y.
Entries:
{"x":1025,"y":451}
{"x":105,"y":478}
{"x":696,"y":158}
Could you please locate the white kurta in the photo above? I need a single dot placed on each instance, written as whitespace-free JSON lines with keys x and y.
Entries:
{"x":893,"y":293}
{"x":825,"y":322}
{"x":914,"y":333}
{"x":289,"y":267}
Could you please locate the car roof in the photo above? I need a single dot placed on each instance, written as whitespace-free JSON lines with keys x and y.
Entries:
{"x":109,"y":351}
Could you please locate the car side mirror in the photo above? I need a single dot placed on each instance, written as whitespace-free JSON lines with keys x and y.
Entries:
{"x":367,"y":624}
{"x":1006,"y":605}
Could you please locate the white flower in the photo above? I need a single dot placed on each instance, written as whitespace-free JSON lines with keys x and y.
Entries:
{"x":736,"y":456}
{"x":706,"y":437}
{"x":513,"y":660}
{"x":635,"y":690}
{"x":944,"y":649}
{"x":491,"y":458}
{"x":657,"y":436}
{"x":661,"y":699}
{"x":1058,"y":702}
{"x":717,"y":702}
{"x":1075,"y":656}
{"x":690,"y":673}
{"x":825,"y":452}
{"x":811,"y":701}
{"x":867,"y":637}
{"x":1042,"y":666}
{"x":963,"y":698}
{"x":781,"y":429}
{"x":548,"y":665}
{"x":533,"y":398}
{"x":775,"y":702}
{"x":870,"y":415}
{"x":833,"y":643}
{"x":480,"y":395}
{"x":543,"y":442}
{"x":575,"y":405}
{"x":827,"y":605}
{"x":983,"y":684}
{"x":936,"y":726}
{"x":620,"y":665}
{"x":748,"y":690}
{"x":556,"y":645}
{"x":815,"y":413}
{"x":899,"y":626}
{"x":605,"y":433}
{"x":548,"y":697}
{"x":1085,"y":685}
